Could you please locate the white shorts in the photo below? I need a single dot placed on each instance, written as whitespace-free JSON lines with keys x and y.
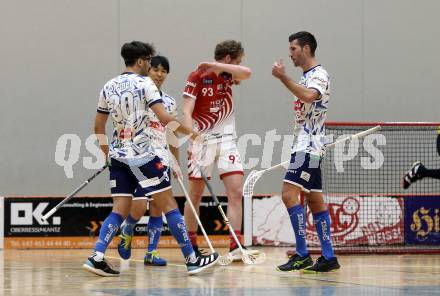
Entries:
{"x":224,"y":154}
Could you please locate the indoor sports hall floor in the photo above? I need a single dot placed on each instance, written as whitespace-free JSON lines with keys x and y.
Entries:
{"x":59,"y":272}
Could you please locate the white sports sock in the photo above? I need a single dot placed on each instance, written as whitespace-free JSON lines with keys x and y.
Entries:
{"x":192,"y":258}
{"x":98,"y":256}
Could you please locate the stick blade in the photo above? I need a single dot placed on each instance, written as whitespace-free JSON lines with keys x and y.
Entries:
{"x":50,"y":213}
{"x":253,"y":259}
{"x":225,"y":260}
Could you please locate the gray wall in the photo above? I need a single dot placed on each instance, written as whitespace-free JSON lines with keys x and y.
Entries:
{"x":56,"y":55}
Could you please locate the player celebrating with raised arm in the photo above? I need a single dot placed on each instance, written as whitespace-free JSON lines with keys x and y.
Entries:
{"x":136,"y":167}
{"x":304,"y":174}
{"x":209,"y":108}
{"x":158,"y":72}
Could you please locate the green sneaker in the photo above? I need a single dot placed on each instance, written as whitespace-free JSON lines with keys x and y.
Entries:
{"x":296,"y":262}
{"x":124,"y":246}
{"x":152,"y":258}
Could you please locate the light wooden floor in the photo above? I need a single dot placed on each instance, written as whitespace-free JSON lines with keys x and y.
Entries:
{"x":59,"y":272}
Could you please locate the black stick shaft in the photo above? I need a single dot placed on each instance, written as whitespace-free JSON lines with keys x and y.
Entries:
{"x":209,"y":187}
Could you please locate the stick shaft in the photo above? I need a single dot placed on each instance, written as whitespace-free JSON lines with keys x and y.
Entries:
{"x":355,"y":136}
{"x":71,"y":195}
{"x":195,"y":214}
{"x":219,"y":206}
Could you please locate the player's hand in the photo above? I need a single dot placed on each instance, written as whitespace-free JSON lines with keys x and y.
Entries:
{"x":278,"y":69}
{"x":197,"y":138}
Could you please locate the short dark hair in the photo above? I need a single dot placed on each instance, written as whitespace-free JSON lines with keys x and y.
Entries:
{"x":305,"y":38}
{"x":228,"y":47}
{"x":159,"y":60}
{"x":132,"y":51}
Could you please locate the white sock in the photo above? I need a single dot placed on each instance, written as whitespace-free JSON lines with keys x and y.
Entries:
{"x":98,"y":256}
{"x":191,"y":258}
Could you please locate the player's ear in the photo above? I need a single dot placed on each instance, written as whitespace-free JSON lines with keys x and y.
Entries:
{"x":139,"y":62}
{"x":306,"y":49}
{"x":228,"y":59}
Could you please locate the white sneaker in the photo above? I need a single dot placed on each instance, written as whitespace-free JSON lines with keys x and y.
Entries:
{"x":237,"y":255}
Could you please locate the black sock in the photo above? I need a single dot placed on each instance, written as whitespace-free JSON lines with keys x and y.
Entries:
{"x":430,"y":173}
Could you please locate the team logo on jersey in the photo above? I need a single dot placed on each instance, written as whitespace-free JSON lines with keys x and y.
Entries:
{"x":305,"y":176}
{"x":297,"y":105}
{"x":159,"y":165}
{"x":207,"y":81}
{"x":157,"y":125}
{"x":124,"y":85}
{"x":126,"y":133}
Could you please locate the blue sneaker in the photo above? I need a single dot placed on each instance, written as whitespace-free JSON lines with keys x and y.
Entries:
{"x":124,"y":246}
{"x":296,"y":262}
{"x":323,"y":265}
{"x":152,"y":258}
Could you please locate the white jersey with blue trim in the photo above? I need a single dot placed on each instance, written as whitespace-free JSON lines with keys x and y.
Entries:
{"x":127,"y":98}
{"x":309,"y":129}
{"x":158,"y":131}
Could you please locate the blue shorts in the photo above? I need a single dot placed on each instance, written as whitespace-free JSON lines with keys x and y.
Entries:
{"x":305,"y":172}
{"x":138,"y":182}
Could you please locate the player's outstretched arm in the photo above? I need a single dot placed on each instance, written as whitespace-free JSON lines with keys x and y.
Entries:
{"x":307,"y":95}
{"x":100,"y":121}
{"x":169,"y":121}
{"x":238,"y":72}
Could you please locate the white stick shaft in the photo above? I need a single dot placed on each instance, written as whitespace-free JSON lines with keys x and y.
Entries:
{"x":188,"y":199}
{"x":355,"y":136}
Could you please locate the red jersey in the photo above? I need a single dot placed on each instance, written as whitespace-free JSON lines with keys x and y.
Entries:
{"x":214,"y":108}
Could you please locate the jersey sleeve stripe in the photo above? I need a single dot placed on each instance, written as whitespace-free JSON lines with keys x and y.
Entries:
{"x":317,"y":89}
{"x":155,"y":102}
{"x":189,"y":95}
{"x":103,"y":111}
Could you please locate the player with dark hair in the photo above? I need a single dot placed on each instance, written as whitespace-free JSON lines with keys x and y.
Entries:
{"x":208,"y":107}
{"x":312,"y":94}
{"x":160,"y":68}
{"x":137,"y":168}
{"x":418,"y":171}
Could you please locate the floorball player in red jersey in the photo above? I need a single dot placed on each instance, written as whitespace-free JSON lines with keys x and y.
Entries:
{"x":208,"y":107}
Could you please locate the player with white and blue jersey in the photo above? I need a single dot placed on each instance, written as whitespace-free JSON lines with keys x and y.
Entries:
{"x":304,"y":173}
{"x":158,"y":72}
{"x":137,"y":165}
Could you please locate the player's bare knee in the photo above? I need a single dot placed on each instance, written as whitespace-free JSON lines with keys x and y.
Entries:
{"x":122,"y":205}
{"x":196,"y":196}
{"x":289,"y":198}
{"x":235,"y":194}
{"x":195,"y":191}
{"x":154,"y":210}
